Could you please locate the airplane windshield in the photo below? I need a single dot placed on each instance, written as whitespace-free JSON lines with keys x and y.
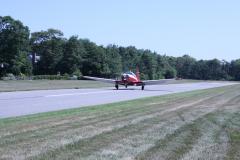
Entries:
{"x":131,"y":73}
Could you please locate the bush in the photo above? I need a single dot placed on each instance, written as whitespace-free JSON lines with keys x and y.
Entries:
{"x":77,"y":73}
{"x":9,"y":76}
{"x":66,"y":76}
{"x":51,"y":77}
{"x":22,"y":77}
{"x":73,"y":77}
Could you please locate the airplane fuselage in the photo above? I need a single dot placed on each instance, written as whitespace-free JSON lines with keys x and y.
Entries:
{"x":129,"y":79}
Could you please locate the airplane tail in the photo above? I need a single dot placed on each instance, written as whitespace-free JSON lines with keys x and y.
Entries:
{"x":138,"y":74}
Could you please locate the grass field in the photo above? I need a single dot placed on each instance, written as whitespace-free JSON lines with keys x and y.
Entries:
{"x":25,"y":85}
{"x":202,"y":124}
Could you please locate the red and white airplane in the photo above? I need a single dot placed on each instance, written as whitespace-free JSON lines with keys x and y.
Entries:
{"x":130,"y":79}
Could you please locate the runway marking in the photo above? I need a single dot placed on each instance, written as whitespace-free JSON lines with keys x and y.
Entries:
{"x":73,"y":94}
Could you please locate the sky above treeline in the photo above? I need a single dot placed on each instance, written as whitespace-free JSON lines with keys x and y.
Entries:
{"x":203,"y":29}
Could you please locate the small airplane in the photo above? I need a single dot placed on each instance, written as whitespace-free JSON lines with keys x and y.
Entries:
{"x":130,"y":79}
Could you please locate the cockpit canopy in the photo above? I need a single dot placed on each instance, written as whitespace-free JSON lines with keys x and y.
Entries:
{"x":126,"y":75}
{"x":130,"y":73}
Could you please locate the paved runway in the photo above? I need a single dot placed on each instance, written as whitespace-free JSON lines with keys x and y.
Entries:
{"x":30,"y":102}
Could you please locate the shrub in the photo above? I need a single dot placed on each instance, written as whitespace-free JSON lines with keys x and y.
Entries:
{"x":9,"y":76}
{"x":51,"y":77}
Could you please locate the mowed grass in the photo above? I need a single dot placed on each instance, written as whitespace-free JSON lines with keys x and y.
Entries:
{"x":24,"y":85}
{"x":202,"y":124}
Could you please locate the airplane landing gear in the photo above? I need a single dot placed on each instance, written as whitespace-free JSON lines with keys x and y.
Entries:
{"x":116,"y":86}
{"x":142,"y":87}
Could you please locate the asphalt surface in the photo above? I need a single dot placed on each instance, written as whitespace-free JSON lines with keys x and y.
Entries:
{"x":29,"y":102}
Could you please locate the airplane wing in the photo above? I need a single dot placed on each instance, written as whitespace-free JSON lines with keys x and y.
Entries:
{"x":112,"y":81}
{"x":155,"y":82}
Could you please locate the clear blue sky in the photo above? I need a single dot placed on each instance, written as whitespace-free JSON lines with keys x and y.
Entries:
{"x":204,"y":29}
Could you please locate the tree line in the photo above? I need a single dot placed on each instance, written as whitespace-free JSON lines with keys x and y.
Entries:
{"x":76,"y":56}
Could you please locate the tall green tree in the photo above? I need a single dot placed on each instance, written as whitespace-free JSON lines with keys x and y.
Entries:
{"x":94,"y":60}
{"x":214,"y":71}
{"x":184,"y":66}
{"x":164,"y":69}
{"x":72,"y":56}
{"x":235,"y":69}
{"x":130,"y":58}
{"x":148,"y":65}
{"x":200,"y":70}
{"x":114,"y":61}
{"x":49,"y":46}
{"x":14,"y":47}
